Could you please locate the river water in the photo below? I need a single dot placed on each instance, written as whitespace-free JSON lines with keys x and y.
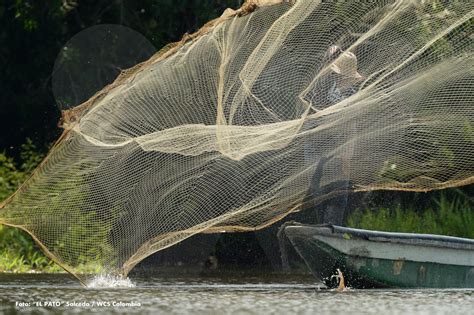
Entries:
{"x":35,"y":294}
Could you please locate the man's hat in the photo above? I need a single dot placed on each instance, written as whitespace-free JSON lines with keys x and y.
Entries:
{"x":346,"y":65}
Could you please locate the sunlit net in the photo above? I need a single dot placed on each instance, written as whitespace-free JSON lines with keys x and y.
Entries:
{"x":224,"y":130}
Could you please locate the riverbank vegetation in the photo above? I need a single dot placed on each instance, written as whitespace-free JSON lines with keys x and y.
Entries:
{"x":448,"y":215}
{"x":18,"y":251}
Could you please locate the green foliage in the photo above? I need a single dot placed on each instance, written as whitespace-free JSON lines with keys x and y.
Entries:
{"x":18,"y":252}
{"x":454,"y":217}
{"x":13,"y":174}
{"x":84,"y":236}
{"x":10,"y":176}
{"x":30,"y":157}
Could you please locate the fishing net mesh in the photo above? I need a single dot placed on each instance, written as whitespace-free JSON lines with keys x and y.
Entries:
{"x":224,"y":130}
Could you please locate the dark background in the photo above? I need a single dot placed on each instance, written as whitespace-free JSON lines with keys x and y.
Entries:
{"x":33,"y":32}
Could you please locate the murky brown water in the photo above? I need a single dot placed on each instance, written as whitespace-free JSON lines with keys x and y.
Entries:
{"x":229,"y":295}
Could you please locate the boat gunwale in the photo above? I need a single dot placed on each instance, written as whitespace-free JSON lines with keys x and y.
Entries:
{"x":414,"y":239}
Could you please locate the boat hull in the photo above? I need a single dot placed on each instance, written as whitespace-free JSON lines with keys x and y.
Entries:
{"x":370,"y":259}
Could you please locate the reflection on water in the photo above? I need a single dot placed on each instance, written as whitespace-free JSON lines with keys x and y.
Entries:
{"x":229,"y":295}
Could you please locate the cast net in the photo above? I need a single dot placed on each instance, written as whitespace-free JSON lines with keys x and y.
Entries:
{"x":224,"y":131}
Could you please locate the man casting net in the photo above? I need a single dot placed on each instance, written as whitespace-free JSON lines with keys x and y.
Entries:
{"x":224,"y":130}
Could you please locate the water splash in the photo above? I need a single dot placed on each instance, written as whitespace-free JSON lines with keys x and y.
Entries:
{"x":110,"y":281}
